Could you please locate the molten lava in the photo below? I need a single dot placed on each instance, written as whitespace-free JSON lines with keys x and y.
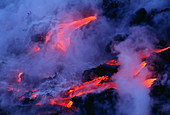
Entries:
{"x":142,"y":65}
{"x":65,"y":30}
{"x":34,"y":95}
{"x":85,"y":88}
{"x":147,"y":52}
{"x":19,"y":76}
{"x":10,"y":88}
{"x":148,"y":83}
{"x":62,"y":101}
{"x":160,"y":50}
{"x":112,"y":62}
{"x":63,"y":42}
{"x":91,"y":86}
{"x":47,"y":38}
{"x":36,"y":49}
{"x":97,"y":85}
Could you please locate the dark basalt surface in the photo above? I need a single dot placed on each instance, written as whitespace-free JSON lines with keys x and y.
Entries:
{"x":38,"y":37}
{"x":97,"y":103}
{"x":139,"y":16}
{"x":113,"y":9}
{"x":160,"y":90}
{"x":115,"y":41}
{"x":101,"y":70}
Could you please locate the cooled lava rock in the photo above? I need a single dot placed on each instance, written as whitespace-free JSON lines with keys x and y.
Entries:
{"x":38,"y":37}
{"x":165,"y":56}
{"x":97,"y":103}
{"x":115,"y":41}
{"x":154,"y":13}
{"x":101,"y":70}
{"x":139,"y":16}
{"x":160,"y":90}
{"x":160,"y":93}
{"x":113,"y":9}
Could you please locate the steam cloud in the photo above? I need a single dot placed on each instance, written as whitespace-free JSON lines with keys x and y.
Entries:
{"x":21,"y":20}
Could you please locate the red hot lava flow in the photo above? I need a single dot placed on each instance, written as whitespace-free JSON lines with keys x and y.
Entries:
{"x":95,"y":85}
{"x":63,"y":42}
{"x":65,"y":30}
{"x":19,"y":76}
{"x":61,"y":38}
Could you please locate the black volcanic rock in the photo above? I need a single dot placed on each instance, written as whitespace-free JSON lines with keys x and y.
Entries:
{"x":97,"y":104}
{"x":154,"y":13}
{"x":115,"y":41}
{"x":160,"y":93}
{"x":113,"y":9}
{"x":160,"y":90}
{"x":101,"y":70}
{"x":138,"y":17}
{"x":38,"y":37}
{"x":165,"y":56}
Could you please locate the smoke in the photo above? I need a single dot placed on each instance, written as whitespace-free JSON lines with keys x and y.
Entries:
{"x":20,"y":21}
{"x":133,"y":96}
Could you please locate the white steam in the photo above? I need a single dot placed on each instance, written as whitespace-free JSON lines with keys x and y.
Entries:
{"x":134,"y":98}
{"x":19,"y":18}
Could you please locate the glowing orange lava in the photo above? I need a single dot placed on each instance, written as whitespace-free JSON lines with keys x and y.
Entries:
{"x":142,"y":65}
{"x":10,"y":88}
{"x":34,"y":95}
{"x":62,"y":43}
{"x":160,"y":50}
{"x":91,"y":86}
{"x":65,"y":30}
{"x":21,"y":98}
{"x":147,"y":52}
{"x":19,"y":76}
{"x":148,"y":83}
{"x":85,"y":88}
{"x":62,"y":101}
{"x":47,"y":38}
{"x":36,"y":49}
{"x":88,"y":87}
{"x":112,"y":62}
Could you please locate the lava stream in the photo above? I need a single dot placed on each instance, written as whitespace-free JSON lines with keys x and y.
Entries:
{"x":147,"y":52}
{"x":65,"y":30}
{"x":148,"y":83}
{"x":112,"y":62}
{"x":142,"y":65}
{"x":19,"y":76}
